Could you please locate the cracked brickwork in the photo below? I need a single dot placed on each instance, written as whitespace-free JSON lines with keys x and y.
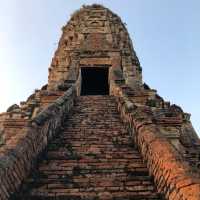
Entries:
{"x":156,"y":137}
{"x":93,"y":157}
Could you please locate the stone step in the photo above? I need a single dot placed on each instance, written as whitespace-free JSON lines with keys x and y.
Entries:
{"x":61,"y":194}
{"x":93,"y":157}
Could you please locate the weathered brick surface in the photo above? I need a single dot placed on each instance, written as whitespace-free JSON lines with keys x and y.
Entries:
{"x":17,"y":157}
{"x":95,"y":61}
{"x":92,"y":158}
{"x":172,"y":175}
{"x":91,"y":38}
{"x":96,"y":37}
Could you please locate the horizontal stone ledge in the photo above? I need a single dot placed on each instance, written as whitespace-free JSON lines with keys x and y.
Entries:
{"x":95,"y":61}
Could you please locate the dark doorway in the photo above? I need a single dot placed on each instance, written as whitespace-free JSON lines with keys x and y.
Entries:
{"x":94,"y":81}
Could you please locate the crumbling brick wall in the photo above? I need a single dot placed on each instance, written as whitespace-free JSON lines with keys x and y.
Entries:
{"x":97,"y":37}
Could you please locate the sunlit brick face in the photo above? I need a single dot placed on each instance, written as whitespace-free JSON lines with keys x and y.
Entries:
{"x":94,"y":37}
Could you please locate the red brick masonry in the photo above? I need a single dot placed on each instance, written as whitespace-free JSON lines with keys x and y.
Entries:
{"x":172,"y":175}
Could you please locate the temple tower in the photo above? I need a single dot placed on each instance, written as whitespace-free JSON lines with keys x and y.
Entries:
{"x":96,"y":130}
{"x":94,"y":42}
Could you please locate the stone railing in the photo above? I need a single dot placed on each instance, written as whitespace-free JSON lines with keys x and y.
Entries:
{"x":172,"y":175}
{"x":16,"y":162}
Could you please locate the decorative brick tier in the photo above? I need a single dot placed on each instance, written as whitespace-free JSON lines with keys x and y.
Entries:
{"x":93,"y":157}
{"x":172,"y":173}
{"x":18,"y":156}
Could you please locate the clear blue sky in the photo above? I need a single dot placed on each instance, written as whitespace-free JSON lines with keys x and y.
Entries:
{"x":165,"y":34}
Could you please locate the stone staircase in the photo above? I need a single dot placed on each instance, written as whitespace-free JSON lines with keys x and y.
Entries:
{"x":92,"y":158}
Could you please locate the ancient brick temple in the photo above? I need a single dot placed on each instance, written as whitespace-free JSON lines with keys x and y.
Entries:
{"x":96,"y":131}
